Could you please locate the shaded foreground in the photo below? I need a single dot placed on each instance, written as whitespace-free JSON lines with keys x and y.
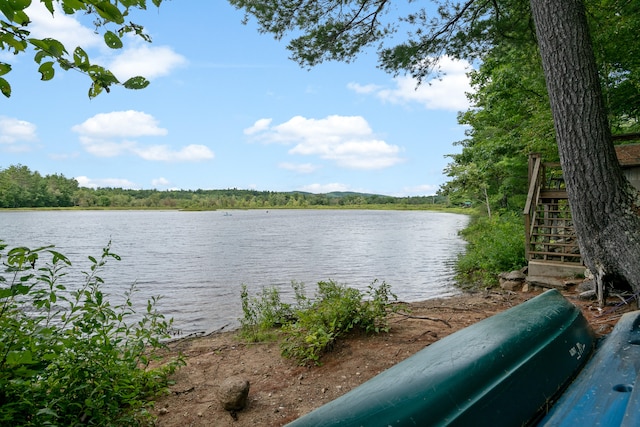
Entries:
{"x":281,"y":391}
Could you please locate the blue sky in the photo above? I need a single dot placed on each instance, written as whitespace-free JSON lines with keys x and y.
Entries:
{"x":226,"y":108}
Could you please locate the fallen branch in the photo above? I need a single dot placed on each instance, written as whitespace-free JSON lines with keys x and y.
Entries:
{"x":200,"y":334}
{"x":432,"y":319}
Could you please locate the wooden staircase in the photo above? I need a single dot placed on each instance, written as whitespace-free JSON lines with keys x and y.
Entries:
{"x":549,"y":233}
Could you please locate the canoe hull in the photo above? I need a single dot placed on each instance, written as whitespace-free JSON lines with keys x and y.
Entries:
{"x":500,"y":371}
{"x":605,"y":392}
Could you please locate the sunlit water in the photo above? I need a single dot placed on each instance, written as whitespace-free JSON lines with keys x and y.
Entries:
{"x":198,"y":261}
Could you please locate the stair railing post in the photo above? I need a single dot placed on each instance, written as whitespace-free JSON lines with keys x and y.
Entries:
{"x":533,"y":178}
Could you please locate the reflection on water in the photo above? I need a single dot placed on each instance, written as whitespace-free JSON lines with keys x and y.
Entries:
{"x":198,"y":260}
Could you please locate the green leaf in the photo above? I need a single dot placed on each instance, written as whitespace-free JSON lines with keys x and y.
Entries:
{"x":137,"y":82}
{"x":40,"y":44}
{"x":130,"y":3}
{"x":80,"y":58}
{"x":47,"y":70}
{"x":57,"y":256}
{"x":20,"y":4}
{"x":39,"y":56}
{"x":71,"y":6}
{"x":17,"y":44}
{"x":112,"y":40}
{"x":20,"y":289}
{"x":95,"y":90}
{"x":4,"y":68}
{"x":50,"y":46}
{"x":65,"y":65}
{"x":13,"y":10}
{"x":47,"y":412}
{"x":21,"y":18}
{"x":7,"y":10}
{"x":19,"y":357}
{"x":49,"y":5}
{"x":109,"y":12}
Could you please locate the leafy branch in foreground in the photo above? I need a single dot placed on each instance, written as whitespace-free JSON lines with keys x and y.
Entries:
{"x":310,"y":327}
{"x":15,"y":37}
{"x":67,"y":356}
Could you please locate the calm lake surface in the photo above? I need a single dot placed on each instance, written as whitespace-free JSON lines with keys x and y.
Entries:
{"x":198,"y":260}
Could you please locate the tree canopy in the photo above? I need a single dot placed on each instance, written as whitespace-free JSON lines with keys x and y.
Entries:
{"x":22,"y":188}
{"x":511,"y":116}
{"x":110,"y":20}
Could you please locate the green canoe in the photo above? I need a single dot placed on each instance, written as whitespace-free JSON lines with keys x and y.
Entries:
{"x":502,"y":371}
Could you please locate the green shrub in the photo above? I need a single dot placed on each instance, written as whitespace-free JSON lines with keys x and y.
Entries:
{"x":495,"y":245}
{"x":67,"y":356}
{"x":262,"y":314}
{"x":310,"y":327}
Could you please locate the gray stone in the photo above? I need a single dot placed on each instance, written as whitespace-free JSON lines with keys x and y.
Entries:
{"x":587,"y":295}
{"x":516,"y":275}
{"x":511,"y":285}
{"x":587,"y":285}
{"x":233,"y":393}
{"x":573,"y":282}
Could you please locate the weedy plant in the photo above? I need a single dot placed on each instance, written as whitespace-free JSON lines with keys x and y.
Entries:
{"x":495,"y":245}
{"x":69,"y":357}
{"x":310,"y":326}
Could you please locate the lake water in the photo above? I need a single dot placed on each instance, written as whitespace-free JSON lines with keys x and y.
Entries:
{"x":198,"y":260}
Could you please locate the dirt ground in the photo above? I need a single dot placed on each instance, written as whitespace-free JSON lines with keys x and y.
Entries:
{"x":281,"y":391}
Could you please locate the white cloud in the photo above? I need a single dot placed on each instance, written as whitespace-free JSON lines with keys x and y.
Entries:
{"x":446,"y":92}
{"x":64,"y":28}
{"x":346,"y":140}
{"x":85,"y":181}
{"x":258,"y":126}
{"x":419,"y":190}
{"x":164,"y":153}
{"x":299,"y":167}
{"x":13,"y":130}
{"x":145,"y":60}
{"x":364,"y":89}
{"x":325,"y":188}
{"x":102,"y":148}
{"x":120,"y":124}
{"x":160,"y":182}
{"x":111,"y":134}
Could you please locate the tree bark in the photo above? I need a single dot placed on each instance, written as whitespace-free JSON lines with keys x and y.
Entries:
{"x":605,"y":207}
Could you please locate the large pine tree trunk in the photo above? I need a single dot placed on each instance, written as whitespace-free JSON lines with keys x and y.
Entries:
{"x":605,"y":207}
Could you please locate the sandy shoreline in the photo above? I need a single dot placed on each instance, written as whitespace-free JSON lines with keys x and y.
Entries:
{"x":282,"y":391}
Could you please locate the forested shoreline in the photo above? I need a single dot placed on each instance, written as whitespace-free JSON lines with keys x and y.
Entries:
{"x":22,"y":188}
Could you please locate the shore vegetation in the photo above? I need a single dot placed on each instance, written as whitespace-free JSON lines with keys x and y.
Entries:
{"x":67,"y":355}
{"x":309,"y":327}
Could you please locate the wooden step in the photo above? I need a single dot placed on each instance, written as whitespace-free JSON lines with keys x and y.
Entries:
{"x":559,"y":245}
{"x":564,"y":227}
{"x":553,"y":194}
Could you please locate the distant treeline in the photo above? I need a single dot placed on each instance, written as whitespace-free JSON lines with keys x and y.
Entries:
{"x":22,"y":188}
